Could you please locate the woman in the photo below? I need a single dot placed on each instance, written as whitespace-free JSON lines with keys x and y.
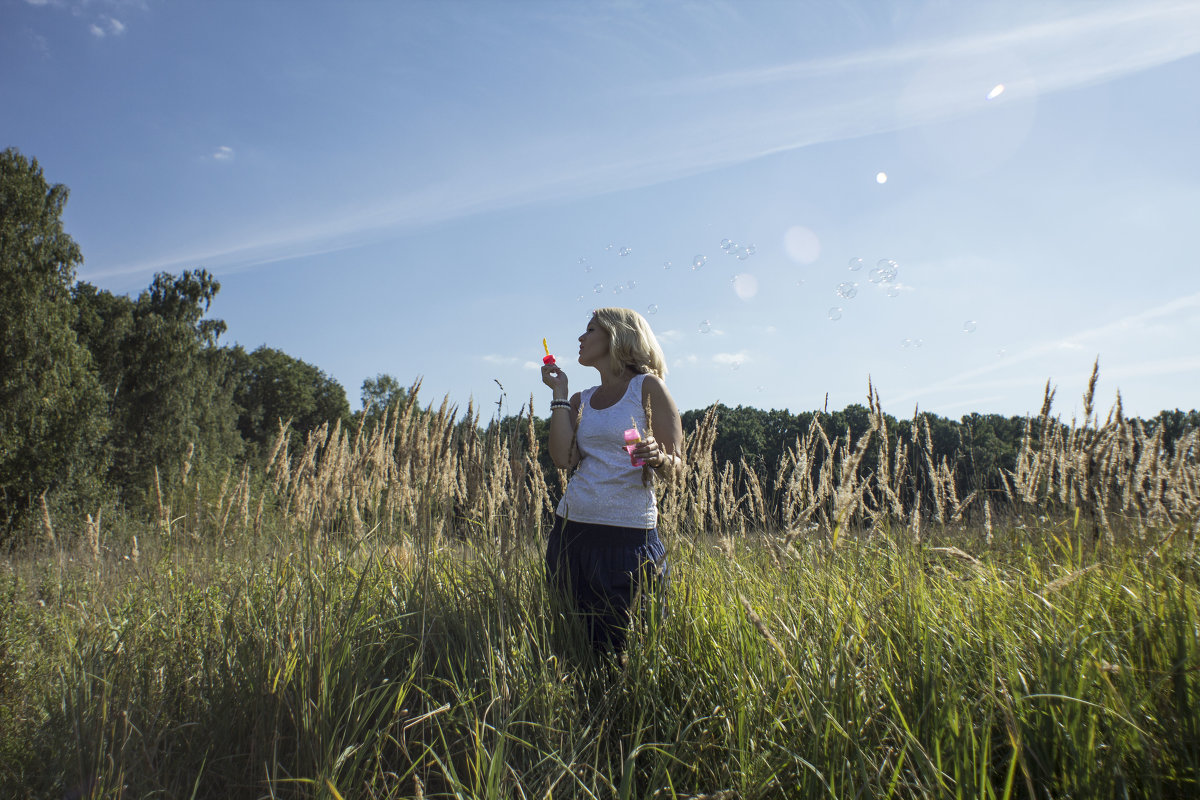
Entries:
{"x":604,"y":547}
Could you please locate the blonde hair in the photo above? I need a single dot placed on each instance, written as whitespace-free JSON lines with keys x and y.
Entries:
{"x":631,"y":342}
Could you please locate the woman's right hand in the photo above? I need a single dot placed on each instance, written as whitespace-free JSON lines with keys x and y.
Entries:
{"x":556,"y":379}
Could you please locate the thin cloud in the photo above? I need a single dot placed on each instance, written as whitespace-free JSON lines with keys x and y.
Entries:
{"x":38,"y":42}
{"x":842,"y":99}
{"x":223,"y":153}
{"x":731,"y":359}
{"x":1167,"y":29}
{"x":107,"y":26}
{"x":1146,"y":369}
{"x":1090,"y":338}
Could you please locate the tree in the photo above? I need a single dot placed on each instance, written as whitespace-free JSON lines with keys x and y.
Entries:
{"x":51,"y":404}
{"x":380,"y":392}
{"x":273,"y":387}
{"x":168,"y":383}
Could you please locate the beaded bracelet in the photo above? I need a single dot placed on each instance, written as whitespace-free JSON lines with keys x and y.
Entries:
{"x":560,"y":404}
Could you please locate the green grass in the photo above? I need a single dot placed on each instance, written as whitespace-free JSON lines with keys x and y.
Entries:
{"x":869,"y":670}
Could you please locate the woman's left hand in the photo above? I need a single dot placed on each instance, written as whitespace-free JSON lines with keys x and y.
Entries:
{"x":648,"y":450}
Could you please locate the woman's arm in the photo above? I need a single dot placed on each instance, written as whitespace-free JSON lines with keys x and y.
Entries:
{"x":663,"y":449}
{"x":562,"y":420}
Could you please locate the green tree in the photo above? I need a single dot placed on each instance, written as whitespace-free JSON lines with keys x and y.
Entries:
{"x":170,"y":387}
{"x":272,"y":387}
{"x":380,"y":392}
{"x":51,"y":404}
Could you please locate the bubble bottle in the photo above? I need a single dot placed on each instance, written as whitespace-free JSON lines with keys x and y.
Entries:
{"x":632,"y":437}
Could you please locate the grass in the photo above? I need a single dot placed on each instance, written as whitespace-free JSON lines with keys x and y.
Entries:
{"x":368,"y":618}
{"x":1033,"y":667}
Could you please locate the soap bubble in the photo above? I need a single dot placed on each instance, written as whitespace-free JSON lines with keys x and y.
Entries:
{"x":760,"y":388}
{"x":698,"y":262}
{"x":617,"y":289}
{"x":579,"y":299}
{"x":728,"y":245}
{"x":888,"y":270}
{"x":598,"y":288}
{"x":652,"y":308}
{"x":893,"y":291}
{"x":906,"y":343}
{"x":736,"y":365}
{"x":875,"y":275}
{"x":750,"y":250}
{"x":918,"y":342}
{"x":666,"y":265}
{"x":587,"y":267}
{"x":969,"y":326}
{"x":624,"y":251}
{"x":608,"y":248}
{"x":835,"y":313}
{"x":1001,"y":353}
{"x":856,"y":264}
{"x":847,"y":290}
{"x":631,"y":285}
{"x":705,"y":326}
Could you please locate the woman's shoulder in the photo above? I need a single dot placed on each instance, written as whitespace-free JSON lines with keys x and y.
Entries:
{"x":652,"y":383}
{"x":655,"y":388}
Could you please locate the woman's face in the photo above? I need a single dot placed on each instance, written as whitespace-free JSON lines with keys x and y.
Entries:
{"x":593,"y":345}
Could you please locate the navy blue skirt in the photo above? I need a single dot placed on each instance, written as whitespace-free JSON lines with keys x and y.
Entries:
{"x":604,"y":571}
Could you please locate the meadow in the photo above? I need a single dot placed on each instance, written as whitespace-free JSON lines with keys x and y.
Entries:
{"x":366,"y":617}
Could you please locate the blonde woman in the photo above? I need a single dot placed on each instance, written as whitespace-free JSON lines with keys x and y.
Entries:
{"x":604,"y":545}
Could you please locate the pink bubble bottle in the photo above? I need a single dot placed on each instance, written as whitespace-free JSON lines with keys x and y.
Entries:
{"x":632,"y":437}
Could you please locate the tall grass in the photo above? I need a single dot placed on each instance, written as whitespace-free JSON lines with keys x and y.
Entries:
{"x":368,"y":618}
{"x":422,"y":472}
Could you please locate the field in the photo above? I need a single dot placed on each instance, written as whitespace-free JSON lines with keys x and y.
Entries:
{"x":367,"y":617}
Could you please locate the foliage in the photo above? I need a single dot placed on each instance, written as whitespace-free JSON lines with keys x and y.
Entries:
{"x":273,"y":388}
{"x":1032,"y":668}
{"x":169,"y":384}
{"x":51,"y":404}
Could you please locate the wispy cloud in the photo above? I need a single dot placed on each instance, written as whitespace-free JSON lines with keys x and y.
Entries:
{"x":780,"y":108}
{"x":223,"y":153}
{"x":731,"y":359}
{"x":1180,"y":311}
{"x":38,"y":42}
{"x":106,"y":26}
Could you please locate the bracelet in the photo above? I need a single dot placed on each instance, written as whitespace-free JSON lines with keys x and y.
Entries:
{"x":560,"y":404}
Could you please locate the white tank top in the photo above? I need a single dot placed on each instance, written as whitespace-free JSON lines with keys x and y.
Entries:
{"x":605,"y":488}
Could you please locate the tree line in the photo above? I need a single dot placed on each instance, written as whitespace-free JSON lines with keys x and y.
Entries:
{"x":101,"y":394}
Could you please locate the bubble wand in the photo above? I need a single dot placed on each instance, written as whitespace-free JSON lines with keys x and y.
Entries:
{"x":549,"y":359}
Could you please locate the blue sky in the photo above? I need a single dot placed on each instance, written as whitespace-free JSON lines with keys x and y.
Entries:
{"x":428,"y":189}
